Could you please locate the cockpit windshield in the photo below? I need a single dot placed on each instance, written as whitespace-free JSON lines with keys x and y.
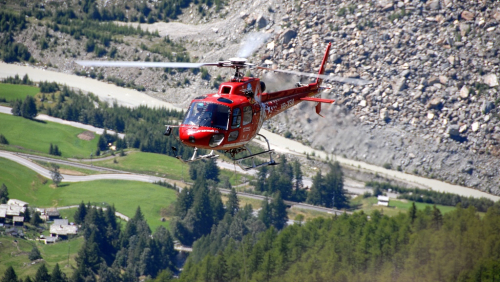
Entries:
{"x":208,"y":114}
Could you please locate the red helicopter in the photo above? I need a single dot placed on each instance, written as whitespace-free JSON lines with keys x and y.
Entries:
{"x":229,"y":119}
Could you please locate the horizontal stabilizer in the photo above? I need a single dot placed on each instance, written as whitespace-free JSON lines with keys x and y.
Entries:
{"x":319,"y":100}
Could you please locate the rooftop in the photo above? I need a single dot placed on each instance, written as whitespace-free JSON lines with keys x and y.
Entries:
{"x":16,"y":202}
{"x":59,"y":229}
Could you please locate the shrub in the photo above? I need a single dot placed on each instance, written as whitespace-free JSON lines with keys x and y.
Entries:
{"x":3,"y":140}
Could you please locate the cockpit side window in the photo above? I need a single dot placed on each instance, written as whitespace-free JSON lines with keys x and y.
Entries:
{"x":247,"y":115}
{"x":236,"y":120}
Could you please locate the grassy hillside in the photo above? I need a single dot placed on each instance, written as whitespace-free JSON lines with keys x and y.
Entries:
{"x":26,"y":185}
{"x":148,"y":163}
{"x":36,"y":136}
{"x":16,"y":255}
{"x":160,"y":165}
{"x":14,"y":91}
{"x":368,"y":205}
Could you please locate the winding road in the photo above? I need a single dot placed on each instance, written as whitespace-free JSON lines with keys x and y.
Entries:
{"x":133,"y":98}
{"x":23,"y":160}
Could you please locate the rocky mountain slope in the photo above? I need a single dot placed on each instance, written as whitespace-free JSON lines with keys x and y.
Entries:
{"x":433,"y":107}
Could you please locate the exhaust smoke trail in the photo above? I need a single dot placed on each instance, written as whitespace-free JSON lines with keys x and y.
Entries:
{"x":251,"y":43}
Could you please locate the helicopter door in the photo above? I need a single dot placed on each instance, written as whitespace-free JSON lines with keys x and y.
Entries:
{"x":235,"y":125}
{"x":256,"y":118}
{"x":247,"y":123}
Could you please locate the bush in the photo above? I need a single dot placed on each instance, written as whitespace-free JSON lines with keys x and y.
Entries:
{"x":204,"y":74}
{"x":48,"y":87}
{"x":34,"y":254}
{"x":3,"y":140}
{"x":387,"y":166}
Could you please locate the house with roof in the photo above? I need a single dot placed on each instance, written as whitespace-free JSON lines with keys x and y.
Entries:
{"x":18,"y":220}
{"x":48,"y":214}
{"x":13,"y":208}
{"x":61,"y":229}
{"x":16,"y":202}
{"x":383,"y":201}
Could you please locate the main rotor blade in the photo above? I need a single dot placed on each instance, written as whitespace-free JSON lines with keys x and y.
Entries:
{"x":354,"y":81}
{"x":142,"y":64}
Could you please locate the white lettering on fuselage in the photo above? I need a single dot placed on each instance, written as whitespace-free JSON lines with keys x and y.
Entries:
{"x":287,"y":104}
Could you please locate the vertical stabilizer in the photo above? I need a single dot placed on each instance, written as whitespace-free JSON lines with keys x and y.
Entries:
{"x":323,"y":63}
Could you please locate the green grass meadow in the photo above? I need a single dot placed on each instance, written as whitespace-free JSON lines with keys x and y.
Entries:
{"x":36,"y":136}
{"x":14,"y":91}
{"x":16,"y":255}
{"x":368,"y":205}
{"x":148,"y":163}
{"x":26,"y":185}
{"x":161,"y":165}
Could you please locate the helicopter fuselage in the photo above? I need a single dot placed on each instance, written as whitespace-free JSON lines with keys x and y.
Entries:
{"x":233,"y":116}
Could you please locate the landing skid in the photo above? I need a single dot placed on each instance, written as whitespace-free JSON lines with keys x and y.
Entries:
{"x":195,"y":156}
{"x":252,"y":156}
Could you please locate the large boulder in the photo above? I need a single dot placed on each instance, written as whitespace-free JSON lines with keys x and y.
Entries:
{"x":491,"y":79}
{"x":487,"y":106}
{"x":261,"y":21}
{"x":454,"y":130}
{"x":288,"y":35}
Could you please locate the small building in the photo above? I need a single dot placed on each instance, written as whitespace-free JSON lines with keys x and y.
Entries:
{"x":52,"y":213}
{"x":49,"y":213}
{"x":383,"y":201}
{"x":8,"y":211}
{"x":3,"y":214}
{"x":18,"y":220}
{"x":14,"y":232}
{"x":62,"y":229}
{"x":16,"y":202}
{"x":49,"y":240}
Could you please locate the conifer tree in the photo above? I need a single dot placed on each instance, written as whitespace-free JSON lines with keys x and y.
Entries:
{"x":216,"y":205}
{"x":437,"y":218}
{"x":297,"y":172}
{"x":335,"y":180}
{"x":183,"y":203}
{"x":80,"y":213}
{"x":220,"y":268}
{"x":4,"y":194}
{"x":9,"y":275}
{"x":42,"y":274}
{"x":203,"y":213}
{"x":28,"y":108}
{"x":314,"y":197}
{"x":412,"y":212}
{"x":16,"y":107}
{"x":36,"y":219}
{"x":57,"y":275}
{"x":27,"y":215}
{"x":233,"y":203}
{"x":265,"y":213}
{"x":211,"y":170}
{"x":279,"y":216}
